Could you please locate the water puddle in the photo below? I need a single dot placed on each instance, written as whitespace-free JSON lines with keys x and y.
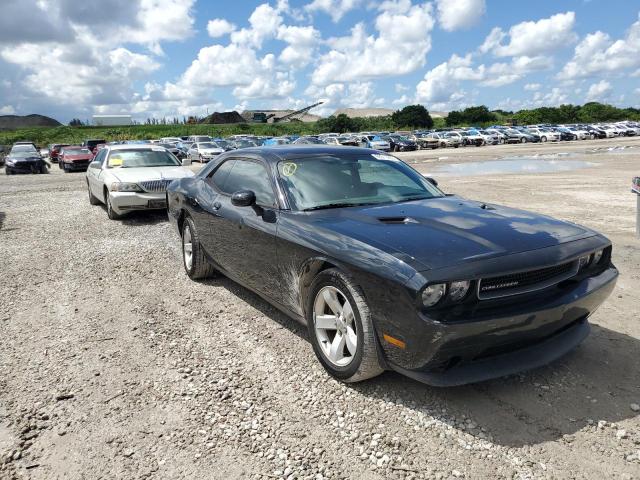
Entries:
{"x":522,"y":165}
{"x":617,"y":149}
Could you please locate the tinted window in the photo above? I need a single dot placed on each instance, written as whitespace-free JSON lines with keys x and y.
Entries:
{"x":100,"y":156}
{"x":218,"y":177}
{"x":246,"y":175}
{"x":329,"y":181}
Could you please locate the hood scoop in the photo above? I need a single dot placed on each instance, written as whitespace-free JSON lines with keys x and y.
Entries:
{"x":397,"y":220}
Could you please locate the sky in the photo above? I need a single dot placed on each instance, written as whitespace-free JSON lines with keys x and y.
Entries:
{"x":174,"y":58}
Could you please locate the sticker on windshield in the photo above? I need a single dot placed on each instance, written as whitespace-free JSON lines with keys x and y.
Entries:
{"x":115,"y":162}
{"x":289,"y":168}
{"x":381,"y":156}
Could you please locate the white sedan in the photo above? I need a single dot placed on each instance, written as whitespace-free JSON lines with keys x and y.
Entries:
{"x":204,"y":151}
{"x":133,"y":177}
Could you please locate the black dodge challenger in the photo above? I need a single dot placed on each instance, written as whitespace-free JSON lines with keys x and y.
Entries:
{"x":386,"y":270}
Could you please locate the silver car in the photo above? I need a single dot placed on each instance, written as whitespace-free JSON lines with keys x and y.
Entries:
{"x":133,"y":177}
{"x":204,"y":151}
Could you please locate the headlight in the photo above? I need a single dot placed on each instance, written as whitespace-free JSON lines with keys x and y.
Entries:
{"x":458,"y":290}
{"x":597,"y":256}
{"x":583,"y":262}
{"x":10,"y":161}
{"x":125,"y":187}
{"x":433,"y":294}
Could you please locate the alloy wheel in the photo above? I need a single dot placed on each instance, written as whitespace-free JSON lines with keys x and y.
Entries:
{"x":335,"y":326}
{"x":187,"y":248}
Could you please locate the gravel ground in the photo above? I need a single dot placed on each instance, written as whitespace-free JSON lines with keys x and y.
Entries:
{"x":114,"y":365}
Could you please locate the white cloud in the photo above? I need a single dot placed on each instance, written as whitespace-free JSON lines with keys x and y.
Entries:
{"x":460,"y":14}
{"x":336,"y":9}
{"x":598,"y":53}
{"x":550,"y":99}
{"x":301,"y":44}
{"x":532,"y":38}
{"x":532,"y":87}
{"x":442,"y":83}
{"x":599,"y":91}
{"x":265,"y":22}
{"x":219,"y":27}
{"x":400,"y":47}
{"x":7,"y":110}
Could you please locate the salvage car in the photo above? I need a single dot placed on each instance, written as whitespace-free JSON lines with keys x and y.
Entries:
{"x":24,"y":159}
{"x":204,"y":151}
{"x":74,"y":159}
{"x":133,"y":177}
{"x":386,"y":270}
{"x":374,"y":141}
{"x":54,"y":151}
{"x":400,"y":143}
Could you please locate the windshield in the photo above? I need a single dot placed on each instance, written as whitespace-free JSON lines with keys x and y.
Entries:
{"x":23,"y":153}
{"x":222,"y":143}
{"x":329,"y":181}
{"x":244,"y":144}
{"x":76,"y":151}
{"x":207,"y":145}
{"x":141,"y":158}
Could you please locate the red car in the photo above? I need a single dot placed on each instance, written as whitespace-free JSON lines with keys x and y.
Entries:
{"x":54,"y":150}
{"x":74,"y":158}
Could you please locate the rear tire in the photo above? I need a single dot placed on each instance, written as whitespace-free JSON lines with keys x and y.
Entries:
{"x":543,"y":139}
{"x":194,"y":260}
{"x":352,"y":363}
{"x":93,"y":200}
{"x":523,"y":140}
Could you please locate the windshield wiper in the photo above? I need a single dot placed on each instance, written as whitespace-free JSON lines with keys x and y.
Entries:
{"x":335,"y":205}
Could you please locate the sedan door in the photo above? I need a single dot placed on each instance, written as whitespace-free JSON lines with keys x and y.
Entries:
{"x":95,"y":172}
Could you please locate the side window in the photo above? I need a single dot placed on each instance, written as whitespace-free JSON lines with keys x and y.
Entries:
{"x":218,"y":177}
{"x":101,"y":156}
{"x":247,"y":175}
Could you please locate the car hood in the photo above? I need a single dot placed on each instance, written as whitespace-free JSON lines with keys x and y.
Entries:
{"x":142,"y":174}
{"x":34,"y":158}
{"x":446,"y":231}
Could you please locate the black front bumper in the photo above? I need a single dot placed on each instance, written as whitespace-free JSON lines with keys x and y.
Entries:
{"x":520,"y":337}
{"x":77,"y":166}
{"x":25,"y":167}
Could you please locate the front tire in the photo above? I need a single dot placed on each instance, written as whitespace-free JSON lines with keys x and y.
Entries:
{"x":110,"y":212}
{"x":340,"y":327}
{"x":195,"y":263}
{"x":523,"y":140}
{"x":543,"y":139}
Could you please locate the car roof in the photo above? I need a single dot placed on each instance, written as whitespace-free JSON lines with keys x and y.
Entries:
{"x":133,"y":146}
{"x":275,"y":153}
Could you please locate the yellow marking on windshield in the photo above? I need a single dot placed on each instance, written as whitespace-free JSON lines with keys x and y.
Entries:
{"x":289,"y":168}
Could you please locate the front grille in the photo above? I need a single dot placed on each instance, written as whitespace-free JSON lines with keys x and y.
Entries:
{"x":155,"y":186}
{"x":523,"y":282}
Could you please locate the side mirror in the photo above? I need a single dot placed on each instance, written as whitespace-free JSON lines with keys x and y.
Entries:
{"x":186,"y":162}
{"x":432,"y":181}
{"x":95,"y":164}
{"x":243,"y":198}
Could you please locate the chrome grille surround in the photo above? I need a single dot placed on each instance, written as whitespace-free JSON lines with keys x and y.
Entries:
{"x":155,"y":186}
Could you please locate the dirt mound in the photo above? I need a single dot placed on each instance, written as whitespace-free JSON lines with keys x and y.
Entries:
{"x":223,"y":117}
{"x":12,"y":122}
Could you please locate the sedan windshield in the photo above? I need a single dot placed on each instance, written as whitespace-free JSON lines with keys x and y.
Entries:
{"x":141,"y":158}
{"x":327,"y":181}
{"x":207,"y":145}
{"x":23,"y":148}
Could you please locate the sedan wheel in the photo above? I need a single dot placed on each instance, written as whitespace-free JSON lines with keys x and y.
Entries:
{"x":544,"y":139}
{"x":340,"y":327}
{"x":523,"y":140}
{"x":110,"y":212}
{"x":93,"y":200}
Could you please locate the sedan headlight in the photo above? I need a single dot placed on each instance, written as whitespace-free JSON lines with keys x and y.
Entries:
{"x":458,"y":290}
{"x":125,"y":187}
{"x":433,"y":294}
